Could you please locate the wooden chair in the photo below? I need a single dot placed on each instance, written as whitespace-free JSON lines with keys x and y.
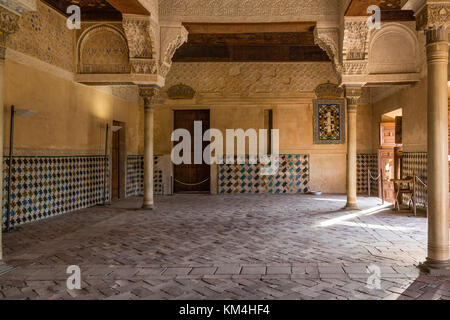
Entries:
{"x":406,"y":186}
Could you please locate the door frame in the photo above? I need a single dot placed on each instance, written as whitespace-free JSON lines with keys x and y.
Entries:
{"x":122,"y":159}
{"x":213,"y":169}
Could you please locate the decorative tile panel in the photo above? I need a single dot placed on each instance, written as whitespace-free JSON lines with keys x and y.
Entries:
{"x":292,"y":177}
{"x":135,"y":176}
{"x":329,"y":121}
{"x":43,"y":187}
{"x":416,"y":164}
{"x":364,"y":163}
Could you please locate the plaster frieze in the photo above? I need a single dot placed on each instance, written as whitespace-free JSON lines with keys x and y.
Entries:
{"x":250,"y":79}
{"x":248,"y":10}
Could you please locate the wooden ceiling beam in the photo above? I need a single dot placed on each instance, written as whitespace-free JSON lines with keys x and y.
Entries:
{"x":129,"y":7}
{"x":358,"y":8}
{"x":240,"y":28}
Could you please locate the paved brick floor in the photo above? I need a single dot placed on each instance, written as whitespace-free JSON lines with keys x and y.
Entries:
{"x":223,"y":247}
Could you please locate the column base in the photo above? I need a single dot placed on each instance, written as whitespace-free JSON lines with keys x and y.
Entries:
{"x":4,"y":268}
{"x":148,"y":207}
{"x":351,"y":206}
{"x":435,"y":268}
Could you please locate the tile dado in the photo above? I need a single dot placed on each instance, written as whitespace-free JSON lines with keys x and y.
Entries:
{"x":293,"y":176}
{"x":364,"y":163}
{"x":416,"y":164}
{"x":135,"y":176}
{"x":42,"y":187}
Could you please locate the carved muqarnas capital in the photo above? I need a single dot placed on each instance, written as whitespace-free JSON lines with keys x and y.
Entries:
{"x":150,"y":95}
{"x":434,"y":16}
{"x":172,"y":40}
{"x":9,"y":24}
{"x":328,"y":40}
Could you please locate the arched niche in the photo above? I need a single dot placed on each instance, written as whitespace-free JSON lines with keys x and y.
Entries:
{"x":103,"y":49}
{"x":393,"y":49}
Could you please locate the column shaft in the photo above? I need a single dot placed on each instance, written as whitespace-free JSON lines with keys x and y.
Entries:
{"x":148,"y":158}
{"x":438,"y":228}
{"x":150,"y":96}
{"x":351,"y":158}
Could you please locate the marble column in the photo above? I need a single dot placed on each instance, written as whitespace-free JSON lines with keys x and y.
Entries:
{"x":437,"y":113}
{"x":8,"y":26}
{"x":150,"y":95}
{"x":352,"y":94}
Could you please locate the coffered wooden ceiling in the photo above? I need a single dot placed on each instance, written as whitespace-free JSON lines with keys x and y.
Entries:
{"x":270,"y":42}
{"x":391,"y":10}
{"x":100,"y":9}
{"x":359,"y":7}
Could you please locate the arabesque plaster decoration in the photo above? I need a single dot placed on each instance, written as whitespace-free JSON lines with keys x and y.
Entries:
{"x":250,"y":78}
{"x":43,"y":34}
{"x":252,"y":10}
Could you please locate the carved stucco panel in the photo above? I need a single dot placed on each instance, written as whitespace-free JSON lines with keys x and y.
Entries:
{"x":103,"y":49}
{"x":43,"y":34}
{"x":253,"y":10}
{"x":249,"y":78}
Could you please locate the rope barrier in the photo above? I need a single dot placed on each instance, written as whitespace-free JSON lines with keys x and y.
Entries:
{"x":374,"y":179}
{"x":423,"y":183}
{"x":191,"y":184}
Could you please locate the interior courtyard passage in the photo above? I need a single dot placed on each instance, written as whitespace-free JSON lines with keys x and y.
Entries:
{"x":224,"y":247}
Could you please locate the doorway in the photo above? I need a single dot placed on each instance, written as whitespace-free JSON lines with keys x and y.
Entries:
{"x":117,"y":168}
{"x":389,"y":154}
{"x":192,"y":178}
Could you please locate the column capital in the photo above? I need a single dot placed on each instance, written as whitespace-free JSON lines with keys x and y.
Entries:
{"x":150,"y":94}
{"x":353,"y":95}
{"x":436,"y":35}
{"x":433,"y":15}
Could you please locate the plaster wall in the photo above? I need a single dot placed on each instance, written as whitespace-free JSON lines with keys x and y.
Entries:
{"x":328,"y":162}
{"x":71,"y":118}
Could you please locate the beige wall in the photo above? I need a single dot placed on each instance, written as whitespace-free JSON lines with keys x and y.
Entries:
{"x":296,"y":135}
{"x":71,"y":117}
{"x":413,"y":101}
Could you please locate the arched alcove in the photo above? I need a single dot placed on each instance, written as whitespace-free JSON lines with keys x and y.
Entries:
{"x":103,"y":49}
{"x":393,"y":49}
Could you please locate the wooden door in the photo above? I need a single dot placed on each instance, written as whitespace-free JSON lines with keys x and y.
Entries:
{"x":387,"y":167}
{"x":115,"y":163}
{"x":387,"y":134}
{"x":192,"y":177}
